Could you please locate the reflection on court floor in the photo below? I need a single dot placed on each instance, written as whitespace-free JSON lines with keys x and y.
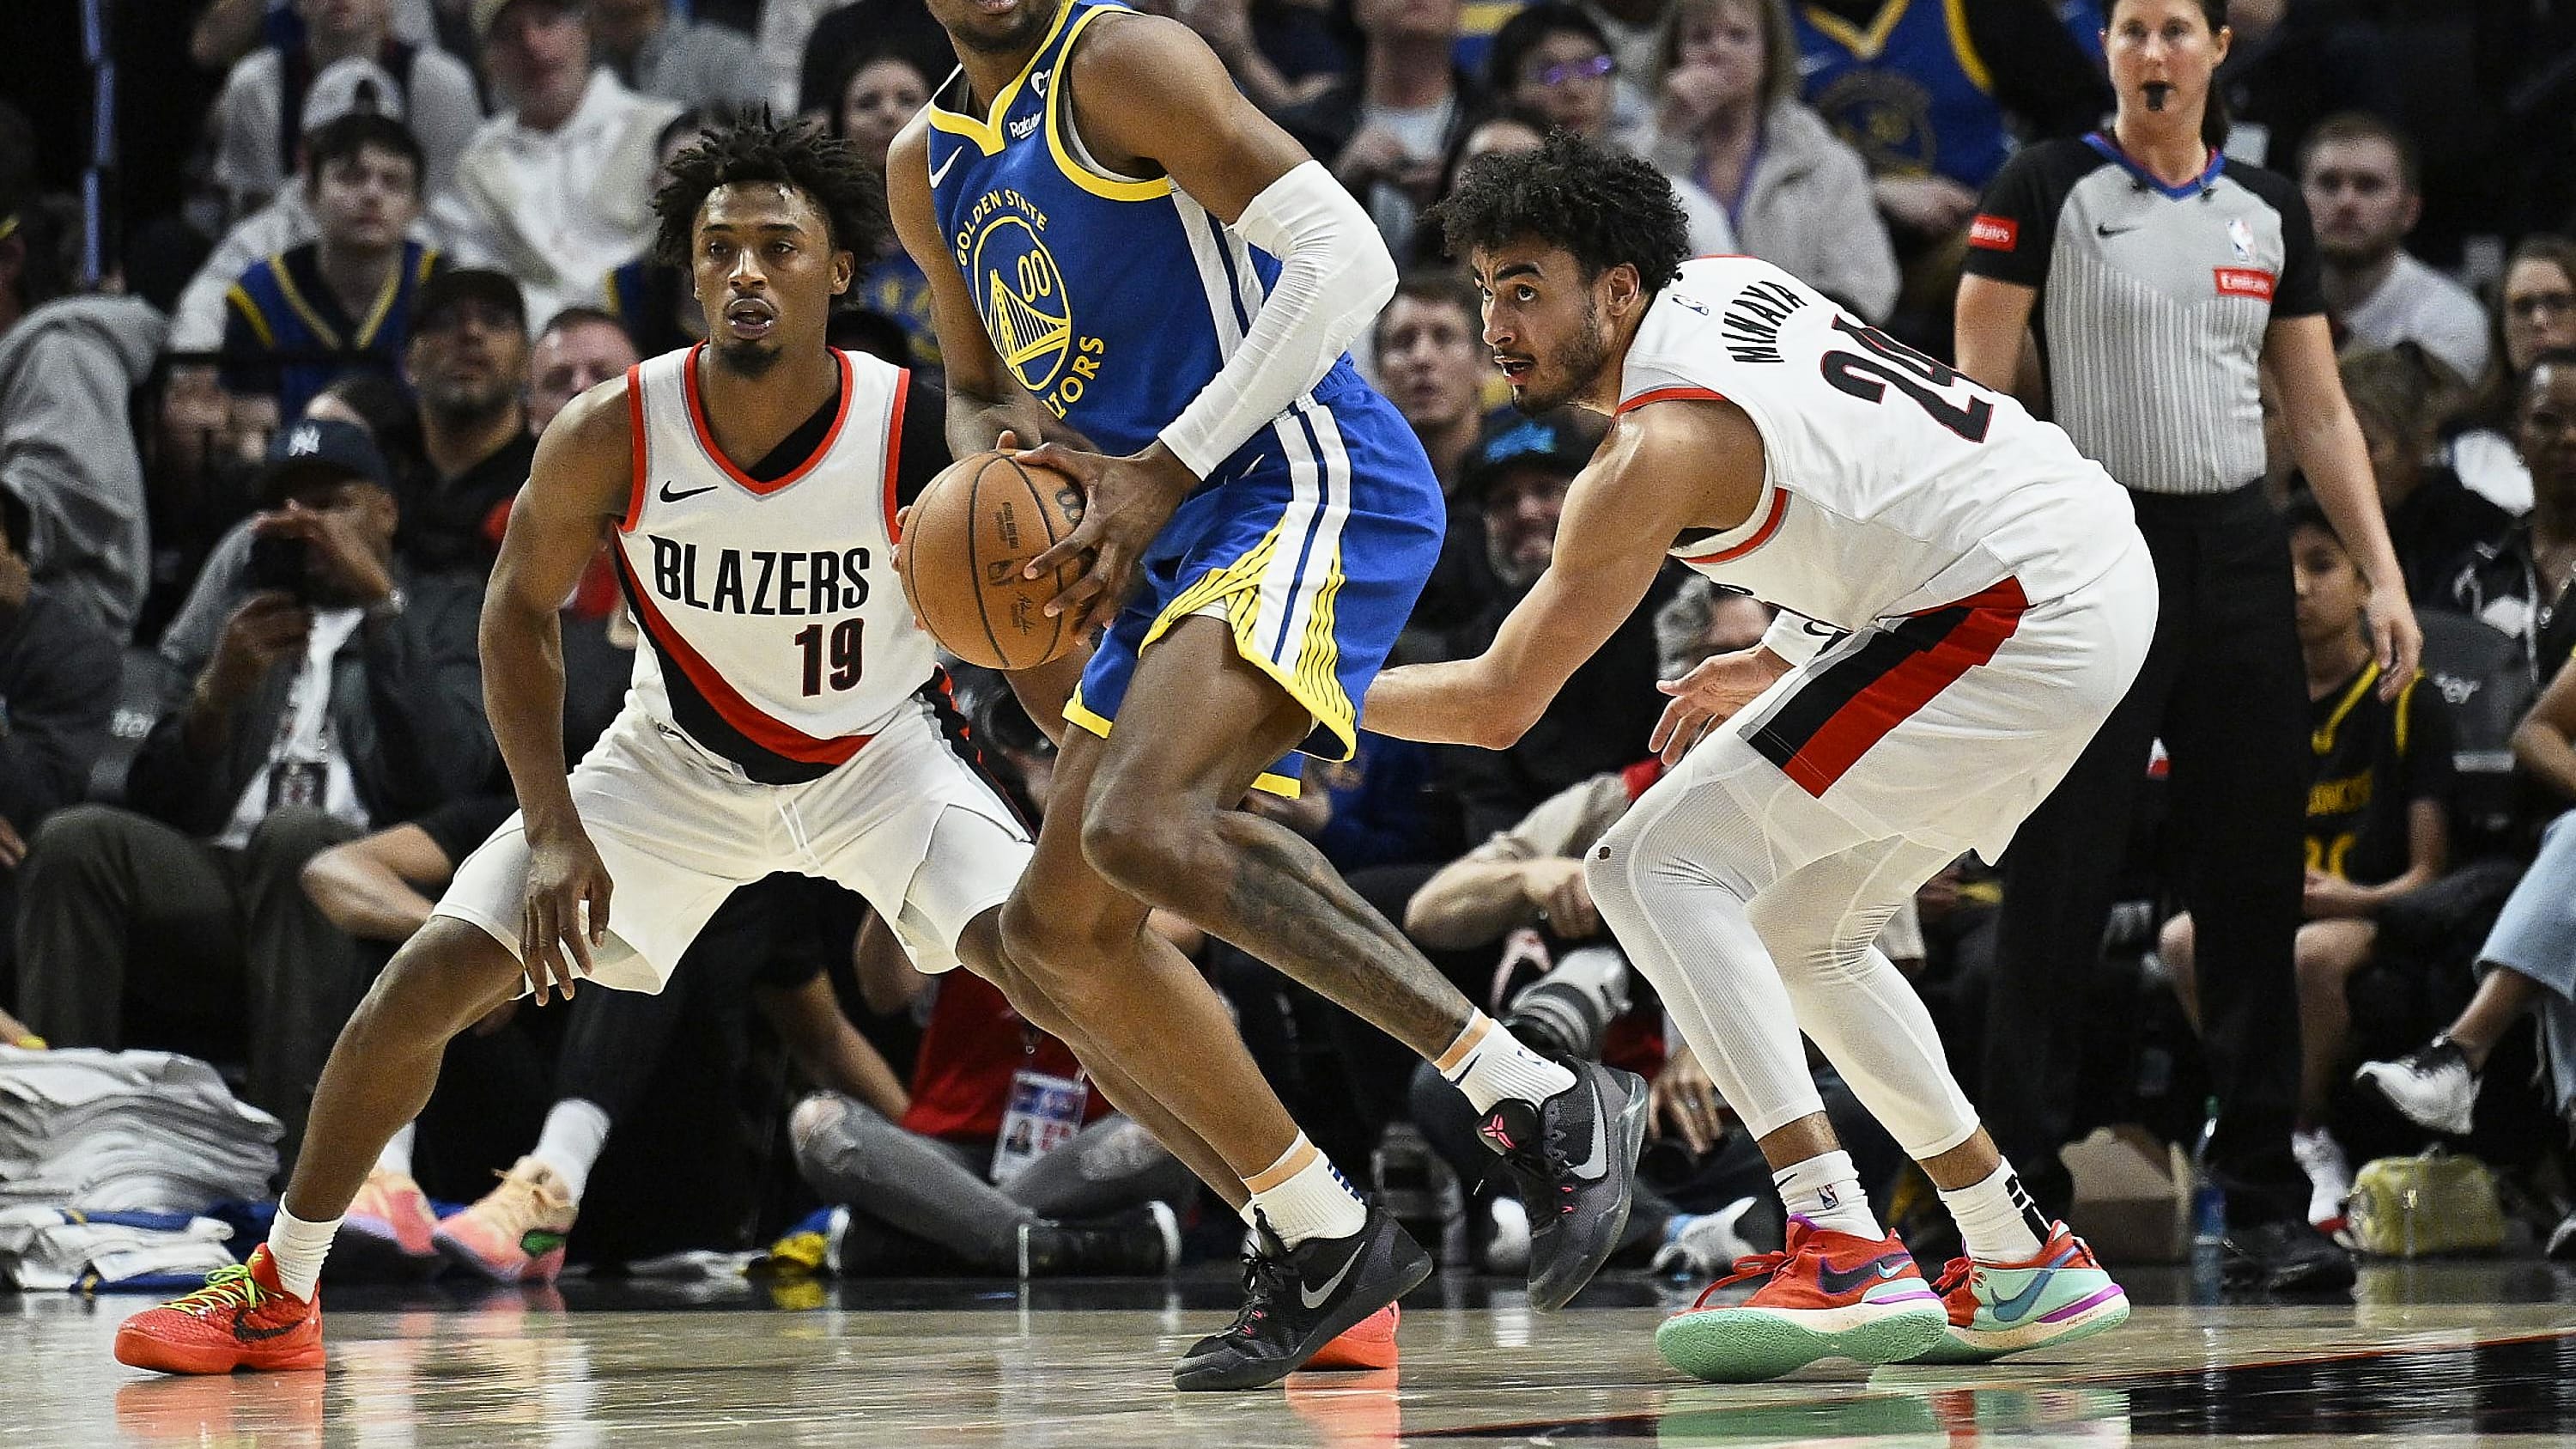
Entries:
{"x":2422,"y":1354}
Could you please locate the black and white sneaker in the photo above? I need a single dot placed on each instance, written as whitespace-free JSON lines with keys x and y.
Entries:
{"x":1298,"y":1299}
{"x":2287,"y":1256}
{"x":1574,"y":1159}
{"x":1140,"y":1242}
{"x":2431,"y":1086}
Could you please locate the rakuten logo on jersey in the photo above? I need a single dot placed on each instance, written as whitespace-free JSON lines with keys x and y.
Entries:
{"x":1994,"y":233}
{"x":2245,"y":282}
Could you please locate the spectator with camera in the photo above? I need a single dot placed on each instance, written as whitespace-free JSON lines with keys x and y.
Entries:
{"x":330,"y":687}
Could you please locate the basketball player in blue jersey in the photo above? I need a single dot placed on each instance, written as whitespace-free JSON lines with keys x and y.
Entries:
{"x":1131,"y":263}
{"x":786,"y":714}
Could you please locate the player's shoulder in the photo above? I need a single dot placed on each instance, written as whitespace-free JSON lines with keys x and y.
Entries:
{"x":1147,"y":53}
{"x":909,"y":152}
{"x":599,"y":425}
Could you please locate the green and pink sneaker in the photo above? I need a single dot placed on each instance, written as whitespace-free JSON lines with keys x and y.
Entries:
{"x":1999,"y":1308}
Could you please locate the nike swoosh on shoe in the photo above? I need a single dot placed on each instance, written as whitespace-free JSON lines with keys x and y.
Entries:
{"x":1843,"y":1280}
{"x":1314,"y":1297}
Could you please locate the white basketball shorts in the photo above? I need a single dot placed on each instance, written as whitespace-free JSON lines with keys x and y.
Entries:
{"x":907,"y":823}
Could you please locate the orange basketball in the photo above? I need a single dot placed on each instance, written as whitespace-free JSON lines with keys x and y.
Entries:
{"x":966,"y":541}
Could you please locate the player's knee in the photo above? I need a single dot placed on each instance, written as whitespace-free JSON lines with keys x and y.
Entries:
{"x":1135,"y":843}
{"x":441,"y":980}
{"x":1043,"y":950}
{"x":1607,"y":875}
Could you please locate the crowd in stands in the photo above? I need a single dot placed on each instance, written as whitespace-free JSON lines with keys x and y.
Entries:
{"x":254,"y":473}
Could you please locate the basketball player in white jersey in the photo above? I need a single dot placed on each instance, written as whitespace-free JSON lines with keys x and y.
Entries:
{"x":1964,"y":599}
{"x":787,"y":714}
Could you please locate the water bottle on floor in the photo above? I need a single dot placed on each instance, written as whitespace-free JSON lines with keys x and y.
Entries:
{"x":2208,"y":1201}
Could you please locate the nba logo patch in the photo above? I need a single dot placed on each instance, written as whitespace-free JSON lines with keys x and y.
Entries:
{"x":2241,"y":238}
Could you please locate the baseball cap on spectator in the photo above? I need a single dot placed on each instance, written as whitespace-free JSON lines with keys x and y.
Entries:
{"x":487,"y":13}
{"x":1558,"y":442}
{"x":318,"y":450}
{"x":348,"y":86}
{"x":466,"y":284}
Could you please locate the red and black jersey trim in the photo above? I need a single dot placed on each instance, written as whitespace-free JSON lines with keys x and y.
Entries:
{"x":1853,"y":703}
{"x":726,"y":723}
{"x":941,"y":695}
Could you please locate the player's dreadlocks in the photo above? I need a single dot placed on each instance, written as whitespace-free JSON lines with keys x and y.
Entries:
{"x":752,"y":147}
{"x":1604,"y":206}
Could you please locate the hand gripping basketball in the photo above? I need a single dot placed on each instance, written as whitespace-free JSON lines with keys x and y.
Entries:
{"x":1126,"y":502}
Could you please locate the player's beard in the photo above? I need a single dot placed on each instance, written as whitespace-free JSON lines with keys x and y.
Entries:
{"x":747,"y":359}
{"x":1573,"y":369}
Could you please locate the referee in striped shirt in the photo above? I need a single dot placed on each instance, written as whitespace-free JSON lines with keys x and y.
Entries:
{"x":2162,"y":282}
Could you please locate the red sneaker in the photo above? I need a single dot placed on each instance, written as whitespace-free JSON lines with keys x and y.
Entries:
{"x":1367,"y":1344}
{"x":1831,"y":1295}
{"x":241,"y":1319}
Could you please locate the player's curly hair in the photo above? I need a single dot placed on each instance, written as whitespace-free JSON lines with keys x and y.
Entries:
{"x":752,"y":147}
{"x":1604,"y":206}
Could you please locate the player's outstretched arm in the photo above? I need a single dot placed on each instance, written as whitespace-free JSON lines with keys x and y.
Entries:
{"x":1148,"y":95}
{"x":984,"y":399}
{"x":1640,"y":492}
{"x":582,"y":479}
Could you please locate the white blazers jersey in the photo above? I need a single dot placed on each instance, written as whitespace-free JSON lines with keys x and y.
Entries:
{"x":780,"y":638}
{"x":1893,"y":485}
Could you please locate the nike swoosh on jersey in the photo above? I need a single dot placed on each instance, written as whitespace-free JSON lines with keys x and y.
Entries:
{"x":939,"y":172}
{"x":670,"y":497}
{"x":1843,"y":1280}
{"x":1314,"y":1297}
{"x":2104,"y":228}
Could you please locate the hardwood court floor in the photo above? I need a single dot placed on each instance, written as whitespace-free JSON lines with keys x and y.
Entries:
{"x":2455,"y":1353}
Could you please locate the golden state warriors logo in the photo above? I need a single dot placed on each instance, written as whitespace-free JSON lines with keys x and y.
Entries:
{"x":1022,"y":297}
{"x":1886,"y":116}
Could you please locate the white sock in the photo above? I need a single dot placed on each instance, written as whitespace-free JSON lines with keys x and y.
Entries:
{"x":296,"y":1249}
{"x":1303,"y":1197}
{"x":1489,"y":1064}
{"x":1997,"y":1220}
{"x":575,"y":1132}
{"x":1825,"y":1190}
{"x":396,"y":1156}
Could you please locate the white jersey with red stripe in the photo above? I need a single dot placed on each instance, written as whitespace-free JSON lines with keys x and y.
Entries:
{"x":1892,"y":484}
{"x":779,"y":636}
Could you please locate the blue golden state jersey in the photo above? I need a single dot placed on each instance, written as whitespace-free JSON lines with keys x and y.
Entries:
{"x":1113,"y":300}
{"x":286,"y":335}
{"x":1910,"y":93}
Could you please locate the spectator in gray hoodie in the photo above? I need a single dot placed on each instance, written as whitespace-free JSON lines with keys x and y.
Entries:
{"x":68,"y":363}
{"x":1730,"y":123}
